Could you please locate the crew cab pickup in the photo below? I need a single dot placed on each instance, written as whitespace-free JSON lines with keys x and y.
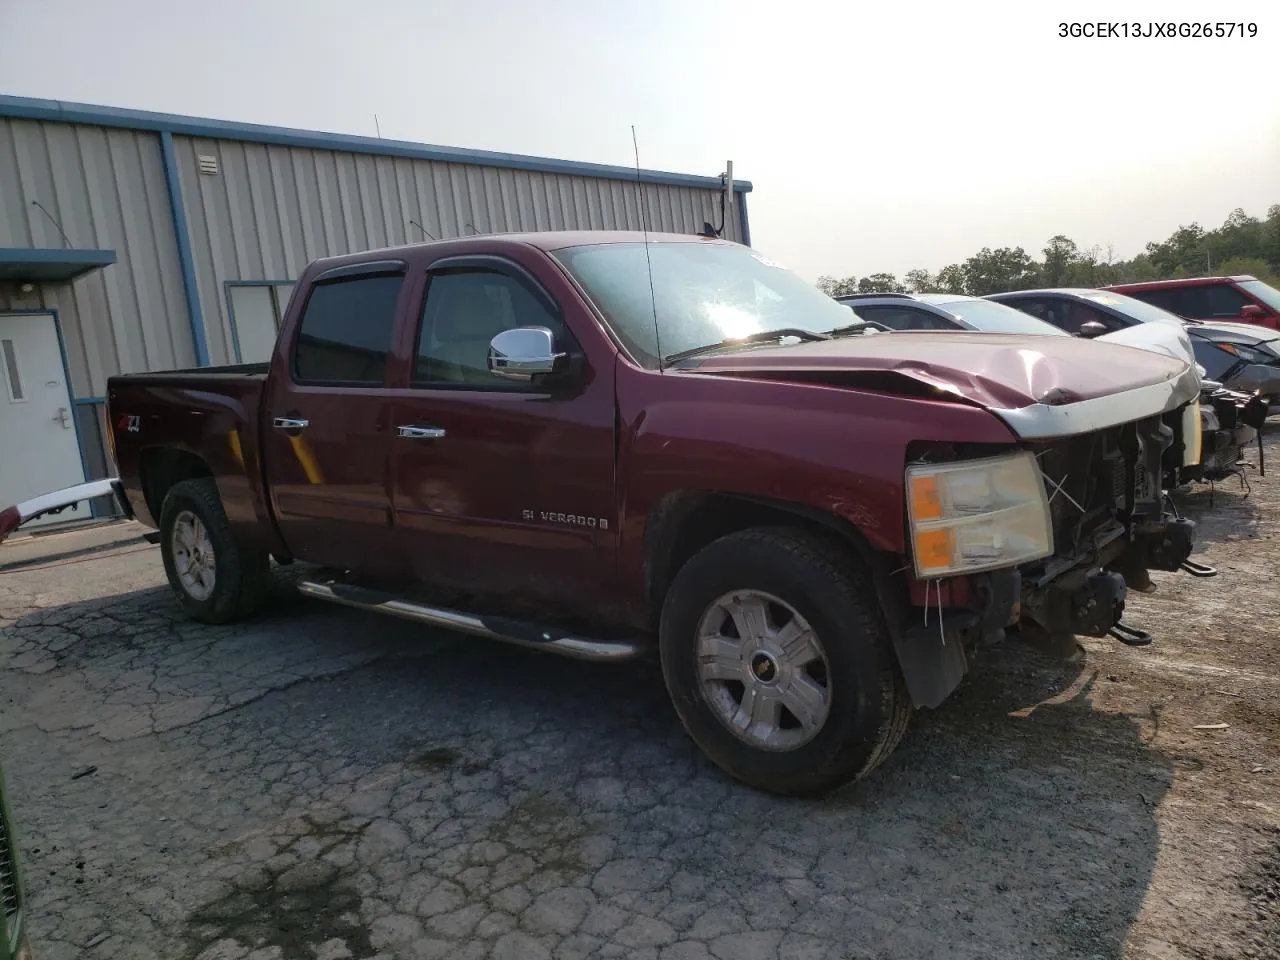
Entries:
{"x":609,"y":445}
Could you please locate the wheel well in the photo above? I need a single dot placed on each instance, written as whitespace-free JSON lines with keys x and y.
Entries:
{"x":683,"y":523}
{"x":161,"y":468}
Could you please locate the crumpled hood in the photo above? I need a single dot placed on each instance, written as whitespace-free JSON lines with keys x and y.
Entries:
{"x":1041,"y":386}
{"x":1163,"y":338}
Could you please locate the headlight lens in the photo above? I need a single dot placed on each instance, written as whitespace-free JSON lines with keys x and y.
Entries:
{"x":1247,"y":354}
{"x":977,"y":515}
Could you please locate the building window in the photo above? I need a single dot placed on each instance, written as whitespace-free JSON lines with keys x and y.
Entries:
{"x":11,"y":371}
{"x":257,"y":312}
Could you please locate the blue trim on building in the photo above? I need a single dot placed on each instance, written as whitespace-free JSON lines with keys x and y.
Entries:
{"x":743,"y":224}
{"x":50,"y":264}
{"x":66,"y":373}
{"x":88,"y":401}
{"x":194,"y":314}
{"x":29,"y":108}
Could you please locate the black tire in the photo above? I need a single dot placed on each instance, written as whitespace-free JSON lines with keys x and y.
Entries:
{"x":241,"y":576}
{"x":868,"y":706}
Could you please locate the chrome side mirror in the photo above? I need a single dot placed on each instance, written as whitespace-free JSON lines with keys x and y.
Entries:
{"x":523,"y":353}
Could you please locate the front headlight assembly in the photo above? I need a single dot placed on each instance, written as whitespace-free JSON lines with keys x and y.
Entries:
{"x":975,"y":515}
{"x":1247,"y":354}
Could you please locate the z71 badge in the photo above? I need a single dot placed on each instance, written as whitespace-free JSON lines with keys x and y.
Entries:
{"x":565,"y":519}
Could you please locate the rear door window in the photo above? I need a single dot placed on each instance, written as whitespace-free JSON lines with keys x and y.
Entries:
{"x":1171,"y":300}
{"x":1050,"y":311}
{"x":1212,"y":300}
{"x":346,"y":331}
{"x":1221,"y":300}
{"x":906,"y":318}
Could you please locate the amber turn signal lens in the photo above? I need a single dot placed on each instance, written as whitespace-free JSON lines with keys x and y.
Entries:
{"x":934,"y":549}
{"x":926,"y":501}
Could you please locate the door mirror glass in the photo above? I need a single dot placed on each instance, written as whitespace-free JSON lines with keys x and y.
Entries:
{"x":523,"y":353}
{"x":1092,"y":328}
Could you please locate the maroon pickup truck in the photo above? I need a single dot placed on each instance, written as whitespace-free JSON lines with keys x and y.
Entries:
{"x":607,"y":446}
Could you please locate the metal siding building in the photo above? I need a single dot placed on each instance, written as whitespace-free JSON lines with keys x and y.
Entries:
{"x":158,"y":242}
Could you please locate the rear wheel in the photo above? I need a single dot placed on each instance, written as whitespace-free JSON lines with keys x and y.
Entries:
{"x":214,"y":578}
{"x":778,"y":662}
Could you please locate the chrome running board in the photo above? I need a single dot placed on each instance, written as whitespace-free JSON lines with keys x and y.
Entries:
{"x":519,"y":632}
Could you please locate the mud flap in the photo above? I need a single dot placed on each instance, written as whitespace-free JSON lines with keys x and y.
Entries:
{"x":932,"y":658}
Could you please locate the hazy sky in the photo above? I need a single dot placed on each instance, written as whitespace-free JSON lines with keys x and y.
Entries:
{"x":878,"y":136}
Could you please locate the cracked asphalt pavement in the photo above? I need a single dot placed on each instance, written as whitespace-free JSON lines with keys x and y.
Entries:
{"x":322,"y":783}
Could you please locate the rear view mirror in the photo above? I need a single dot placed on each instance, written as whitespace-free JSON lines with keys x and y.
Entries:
{"x":1251,"y":313}
{"x":523,"y":353}
{"x":1091,"y":329}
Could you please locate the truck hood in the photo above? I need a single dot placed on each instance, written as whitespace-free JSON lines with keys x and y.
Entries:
{"x":1040,"y":386}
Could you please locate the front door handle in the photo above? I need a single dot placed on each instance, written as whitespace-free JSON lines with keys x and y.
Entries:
{"x":414,"y":432}
{"x":289,"y":423}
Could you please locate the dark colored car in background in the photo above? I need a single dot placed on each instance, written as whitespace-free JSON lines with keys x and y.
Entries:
{"x":1241,"y":299}
{"x":1246,"y":367}
{"x":13,"y":934}
{"x":1229,"y":419}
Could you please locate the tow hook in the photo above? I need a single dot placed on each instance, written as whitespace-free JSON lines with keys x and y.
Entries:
{"x":1130,"y":636}
{"x":1198,"y":569}
{"x":1098,"y":604}
{"x":1167,"y":544}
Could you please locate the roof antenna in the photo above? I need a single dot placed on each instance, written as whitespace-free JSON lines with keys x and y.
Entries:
{"x":472,"y":228}
{"x":424,"y":230}
{"x":377,"y":126}
{"x":653,"y":297}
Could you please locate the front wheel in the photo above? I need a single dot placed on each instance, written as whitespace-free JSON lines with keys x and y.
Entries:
{"x":214,"y":578}
{"x":778,"y":662}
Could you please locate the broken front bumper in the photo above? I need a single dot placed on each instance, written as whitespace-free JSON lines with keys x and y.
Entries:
{"x":11,"y":518}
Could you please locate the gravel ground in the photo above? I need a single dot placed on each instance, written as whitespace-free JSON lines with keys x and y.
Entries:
{"x":323,"y":784}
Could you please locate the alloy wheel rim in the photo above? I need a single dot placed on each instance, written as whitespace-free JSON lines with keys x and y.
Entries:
{"x":193,"y":556}
{"x":763,"y":670}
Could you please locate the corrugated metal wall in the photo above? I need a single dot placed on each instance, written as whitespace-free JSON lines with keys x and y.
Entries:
{"x":106,"y":189}
{"x":269,"y":210}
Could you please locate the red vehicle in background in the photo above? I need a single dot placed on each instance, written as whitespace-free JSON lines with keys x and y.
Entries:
{"x":1242,"y":299}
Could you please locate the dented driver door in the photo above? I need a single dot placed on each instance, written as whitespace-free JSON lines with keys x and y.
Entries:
{"x":500,"y":487}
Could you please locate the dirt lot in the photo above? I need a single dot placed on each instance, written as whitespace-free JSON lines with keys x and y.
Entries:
{"x":323,"y":784}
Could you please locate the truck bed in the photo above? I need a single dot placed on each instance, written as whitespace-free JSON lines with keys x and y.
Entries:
{"x":198,"y":422}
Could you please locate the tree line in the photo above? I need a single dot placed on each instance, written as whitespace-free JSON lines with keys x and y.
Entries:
{"x":1243,"y":244}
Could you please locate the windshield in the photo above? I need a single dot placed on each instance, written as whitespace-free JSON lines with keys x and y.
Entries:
{"x":1138,"y":310}
{"x":991,"y":317}
{"x":702,"y":293}
{"x":1263,"y":291}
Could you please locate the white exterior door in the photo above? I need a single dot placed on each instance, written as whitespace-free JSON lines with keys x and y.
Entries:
{"x":39,"y":451}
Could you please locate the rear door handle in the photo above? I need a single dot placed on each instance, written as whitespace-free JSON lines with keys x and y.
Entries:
{"x":289,"y":423}
{"x":414,"y":432}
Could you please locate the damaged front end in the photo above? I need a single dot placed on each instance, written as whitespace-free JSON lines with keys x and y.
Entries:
{"x":1111,"y":526}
